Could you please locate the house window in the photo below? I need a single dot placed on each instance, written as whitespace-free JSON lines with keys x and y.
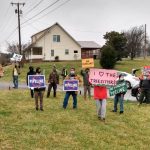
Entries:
{"x":66,"y":51}
{"x":37,"y":51}
{"x":52,"y":52}
{"x":75,"y":51}
{"x":56,"y":38}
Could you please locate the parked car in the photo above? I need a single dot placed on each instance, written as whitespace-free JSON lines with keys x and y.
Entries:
{"x":131,"y":80}
{"x":135,"y":92}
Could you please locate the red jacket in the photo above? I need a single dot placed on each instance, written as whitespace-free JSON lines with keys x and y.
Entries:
{"x":100,"y":92}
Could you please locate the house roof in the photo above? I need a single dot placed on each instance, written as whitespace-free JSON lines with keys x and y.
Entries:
{"x":49,"y":28}
{"x":82,"y":44}
{"x":88,"y":44}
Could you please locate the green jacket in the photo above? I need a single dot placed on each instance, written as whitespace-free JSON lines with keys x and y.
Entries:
{"x":85,"y":78}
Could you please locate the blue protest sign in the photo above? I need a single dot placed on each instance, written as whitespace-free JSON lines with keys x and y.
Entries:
{"x":70,"y":85}
{"x":36,"y":81}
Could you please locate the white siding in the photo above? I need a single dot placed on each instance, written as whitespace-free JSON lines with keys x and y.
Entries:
{"x":66,"y":42}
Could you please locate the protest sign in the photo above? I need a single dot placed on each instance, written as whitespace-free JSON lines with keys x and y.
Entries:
{"x":102,"y":77}
{"x":146,"y":70}
{"x":16,"y":57}
{"x":88,"y":63}
{"x":36,"y":81}
{"x":119,"y":88}
{"x":70,"y":85}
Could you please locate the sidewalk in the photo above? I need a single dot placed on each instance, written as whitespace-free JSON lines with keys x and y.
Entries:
{"x":6,"y":85}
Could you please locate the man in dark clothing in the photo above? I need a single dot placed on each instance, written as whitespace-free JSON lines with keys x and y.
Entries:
{"x":86,"y":83}
{"x":31,"y":72}
{"x":64,"y":72}
{"x":53,"y":81}
{"x":145,"y":88}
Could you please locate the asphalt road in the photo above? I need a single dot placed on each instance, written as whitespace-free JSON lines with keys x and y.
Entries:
{"x":6,"y":85}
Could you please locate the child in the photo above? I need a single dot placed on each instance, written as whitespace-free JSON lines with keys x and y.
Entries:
{"x":100,"y":95}
{"x":119,"y":97}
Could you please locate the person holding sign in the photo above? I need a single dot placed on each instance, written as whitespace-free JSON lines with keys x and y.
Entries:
{"x":15,"y":74}
{"x":86,"y":83}
{"x":100,"y":96}
{"x":53,"y":81}
{"x":31,"y":72}
{"x":1,"y":71}
{"x":119,"y":96}
{"x":64,"y":72}
{"x":145,"y":87}
{"x":71,"y":76}
{"x":39,"y":92}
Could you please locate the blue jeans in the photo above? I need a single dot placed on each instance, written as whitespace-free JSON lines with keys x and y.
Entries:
{"x":74,"y":95}
{"x":119,"y":98}
{"x":15,"y":81}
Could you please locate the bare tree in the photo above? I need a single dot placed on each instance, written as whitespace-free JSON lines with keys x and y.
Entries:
{"x":135,"y":41}
{"x":14,"y":47}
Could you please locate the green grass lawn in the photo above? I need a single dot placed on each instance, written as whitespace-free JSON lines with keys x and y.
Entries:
{"x":125,"y":65}
{"x":23,"y":128}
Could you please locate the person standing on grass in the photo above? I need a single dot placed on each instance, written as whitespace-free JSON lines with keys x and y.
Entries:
{"x":53,"y":81}
{"x":100,"y":96}
{"x":119,"y":97}
{"x":144,"y":88}
{"x":86,"y":83}
{"x":39,"y":93}
{"x":71,"y":76}
{"x":31,"y":72}
{"x":15,"y":75}
{"x":64,"y":72}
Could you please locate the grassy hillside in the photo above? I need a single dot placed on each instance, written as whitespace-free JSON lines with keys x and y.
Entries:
{"x":23,"y":128}
{"x":125,"y":65}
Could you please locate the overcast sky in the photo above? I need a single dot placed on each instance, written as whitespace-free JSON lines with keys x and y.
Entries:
{"x":85,"y":20}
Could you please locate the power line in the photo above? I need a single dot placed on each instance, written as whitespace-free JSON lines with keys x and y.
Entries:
{"x":41,"y":11}
{"x":34,"y":7}
{"x":51,"y":11}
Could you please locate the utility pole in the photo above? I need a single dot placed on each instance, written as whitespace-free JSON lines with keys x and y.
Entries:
{"x":19,"y":11}
{"x":145,"y":44}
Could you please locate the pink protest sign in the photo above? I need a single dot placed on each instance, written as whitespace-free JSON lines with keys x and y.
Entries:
{"x":102,"y":76}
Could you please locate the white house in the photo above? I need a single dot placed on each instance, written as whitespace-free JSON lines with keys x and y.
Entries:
{"x":55,"y":43}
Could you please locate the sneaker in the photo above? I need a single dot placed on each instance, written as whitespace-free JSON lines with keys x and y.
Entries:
{"x":37,"y":109}
{"x":41,"y":109}
{"x":74,"y":107}
{"x":99,"y":117}
{"x":103,"y":119}
{"x":114,"y":111}
{"x":121,"y":112}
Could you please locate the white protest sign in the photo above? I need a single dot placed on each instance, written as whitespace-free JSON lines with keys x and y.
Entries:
{"x":17,"y":57}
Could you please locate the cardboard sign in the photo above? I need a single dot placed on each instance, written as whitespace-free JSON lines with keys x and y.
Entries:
{"x":88,"y":63}
{"x":119,"y":88}
{"x":16,"y":57}
{"x":70,"y":85}
{"x":102,"y":77}
{"x":36,"y":81}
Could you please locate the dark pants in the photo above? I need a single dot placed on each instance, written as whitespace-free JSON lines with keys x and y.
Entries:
{"x":54,"y":85}
{"x":32,"y":93}
{"x":74,"y":95}
{"x":145,"y":93}
{"x":87,"y":88}
{"x":118,"y":98}
{"x":37,"y":95}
